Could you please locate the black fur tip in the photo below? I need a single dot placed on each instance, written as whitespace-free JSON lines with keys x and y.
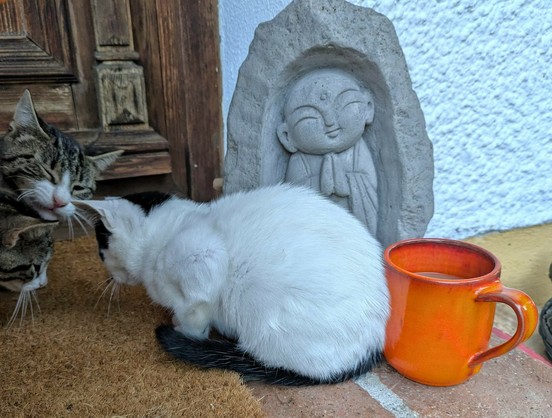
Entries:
{"x":165,"y":334}
{"x":224,"y":354}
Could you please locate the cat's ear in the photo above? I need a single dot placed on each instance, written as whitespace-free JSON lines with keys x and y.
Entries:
{"x":102,"y":161}
{"x":23,"y":224}
{"x":94,"y":209}
{"x":25,"y":116}
{"x":98,"y":209}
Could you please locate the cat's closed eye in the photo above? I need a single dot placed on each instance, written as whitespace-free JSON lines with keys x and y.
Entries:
{"x":78,"y":188}
{"x":49,"y":176}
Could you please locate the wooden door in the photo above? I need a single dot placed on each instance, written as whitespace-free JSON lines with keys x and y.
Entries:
{"x":138,"y":75}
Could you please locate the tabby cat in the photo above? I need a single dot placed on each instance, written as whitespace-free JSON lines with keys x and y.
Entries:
{"x":41,"y":171}
{"x":45,"y":167}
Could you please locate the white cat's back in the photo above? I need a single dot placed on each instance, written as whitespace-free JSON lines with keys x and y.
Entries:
{"x":299,"y":263}
{"x":292,"y":226}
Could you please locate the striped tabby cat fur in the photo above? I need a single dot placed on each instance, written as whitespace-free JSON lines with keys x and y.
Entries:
{"x":41,"y":171}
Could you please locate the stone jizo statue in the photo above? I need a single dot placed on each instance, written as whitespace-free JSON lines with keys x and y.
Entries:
{"x":326,"y":114}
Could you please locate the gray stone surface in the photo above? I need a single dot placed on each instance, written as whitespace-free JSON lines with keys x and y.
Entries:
{"x":384,"y":172}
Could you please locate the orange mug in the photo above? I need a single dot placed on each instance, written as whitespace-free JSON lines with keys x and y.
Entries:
{"x":443,"y":295}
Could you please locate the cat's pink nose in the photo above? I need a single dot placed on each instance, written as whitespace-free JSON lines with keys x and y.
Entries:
{"x":59,"y":203}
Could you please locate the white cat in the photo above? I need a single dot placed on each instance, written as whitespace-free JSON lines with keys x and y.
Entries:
{"x":294,"y":279}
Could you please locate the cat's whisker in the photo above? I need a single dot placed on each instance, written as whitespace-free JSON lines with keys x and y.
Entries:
{"x":100,"y":285}
{"x":25,"y":193}
{"x":24,"y":307}
{"x":70,"y":228}
{"x":90,"y":220}
{"x":108,"y":285}
{"x":118,"y":296}
{"x":35,"y":297}
{"x":114,"y":290}
{"x":30,"y":304}
{"x":24,"y":304}
{"x":41,"y":195}
{"x":23,"y":312}
{"x":109,"y":301}
{"x":78,"y":216}
{"x":29,"y":191}
{"x":16,"y":310}
{"x":29,"y":296}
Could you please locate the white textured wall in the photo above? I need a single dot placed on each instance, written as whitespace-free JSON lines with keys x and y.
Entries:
{"x":482,"y":72}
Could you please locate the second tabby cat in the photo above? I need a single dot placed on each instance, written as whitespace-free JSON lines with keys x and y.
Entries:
{"x":26,"y":247}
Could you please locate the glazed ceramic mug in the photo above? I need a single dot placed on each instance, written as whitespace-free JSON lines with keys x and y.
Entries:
{"x":443,"y":295}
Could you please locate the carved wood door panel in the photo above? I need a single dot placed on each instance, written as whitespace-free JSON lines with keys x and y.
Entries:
{"x":138,"y":75}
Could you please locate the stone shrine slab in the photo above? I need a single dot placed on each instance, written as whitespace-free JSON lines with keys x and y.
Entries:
{"x":324,"y":99}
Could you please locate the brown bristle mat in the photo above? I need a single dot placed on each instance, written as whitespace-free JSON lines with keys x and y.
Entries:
{"x":80,"y":359}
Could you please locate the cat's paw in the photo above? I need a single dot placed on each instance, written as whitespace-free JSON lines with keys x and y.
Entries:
{"x":42,"y":279}
{"x":193,"y":323}
{"x":36,"y":283}
{"x":196,"y":334}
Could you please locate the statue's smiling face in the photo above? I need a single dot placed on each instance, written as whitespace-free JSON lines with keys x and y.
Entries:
{"x":326,"y":111}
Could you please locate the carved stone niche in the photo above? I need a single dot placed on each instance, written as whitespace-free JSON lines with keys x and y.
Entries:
{"x":324,"y":99}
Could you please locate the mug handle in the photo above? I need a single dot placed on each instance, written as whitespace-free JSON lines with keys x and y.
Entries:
{"x":526,"y":313}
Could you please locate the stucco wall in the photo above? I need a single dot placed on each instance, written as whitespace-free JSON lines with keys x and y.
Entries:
{"x":482,"y":72}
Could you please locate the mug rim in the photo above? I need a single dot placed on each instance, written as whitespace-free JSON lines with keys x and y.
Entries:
{"x":491,"y":275}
